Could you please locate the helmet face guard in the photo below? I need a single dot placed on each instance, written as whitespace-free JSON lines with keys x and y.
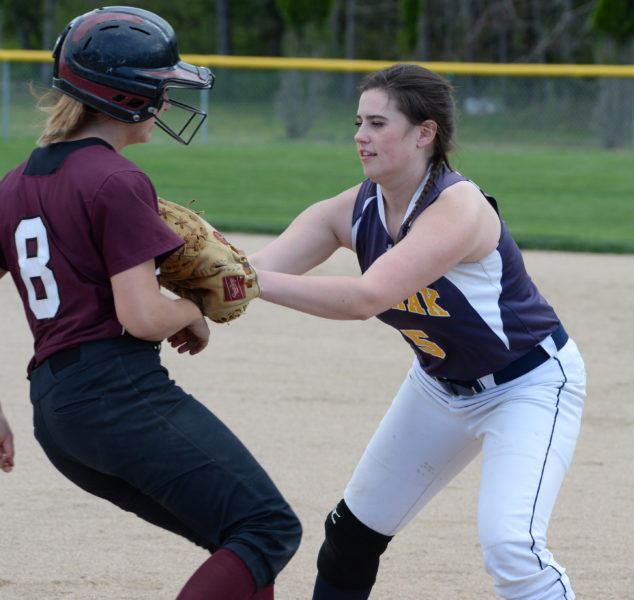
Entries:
{"x":121,"y":61}
{"x":191,"y":125}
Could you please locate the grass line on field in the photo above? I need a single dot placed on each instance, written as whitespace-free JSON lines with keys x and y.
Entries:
{"x":559,"y":199}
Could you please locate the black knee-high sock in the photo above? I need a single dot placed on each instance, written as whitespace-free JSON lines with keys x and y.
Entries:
{"x":324,"y":591}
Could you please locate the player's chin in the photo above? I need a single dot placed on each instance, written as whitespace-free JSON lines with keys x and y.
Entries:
{"x":369,"y":172}
{"x":143,"y":134}
{"x":378,"y":173}
{"x":369,"y":166}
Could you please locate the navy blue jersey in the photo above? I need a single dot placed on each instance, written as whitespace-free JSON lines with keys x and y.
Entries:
{"x":475,"y":319}
{"x":71,"y":216}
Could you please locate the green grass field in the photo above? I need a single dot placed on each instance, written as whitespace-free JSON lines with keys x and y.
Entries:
{"x":561,"y":198}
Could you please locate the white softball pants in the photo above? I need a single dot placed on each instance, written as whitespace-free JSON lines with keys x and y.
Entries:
{"x":527,"y":431}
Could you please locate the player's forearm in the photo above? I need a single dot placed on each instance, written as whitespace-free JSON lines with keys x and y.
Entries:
{"x":285,"y":255}
{"x":331,"y":297}
{"x":161,"y":317}
{"x":307,"y":242}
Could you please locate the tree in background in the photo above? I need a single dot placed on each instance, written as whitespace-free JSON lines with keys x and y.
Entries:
{"x":306,"y":35}
{"x":616,"y":19}
{"x":435,"y":30}
{"x":248,"y":27}
{"x":24,"y":20}
{"x":550,"y":31}
{"x":614,"y":22}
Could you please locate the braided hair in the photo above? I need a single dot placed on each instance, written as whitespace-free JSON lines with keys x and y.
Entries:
{"x":421,"y":95}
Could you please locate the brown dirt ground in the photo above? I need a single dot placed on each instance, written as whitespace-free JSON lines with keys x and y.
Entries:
{"x":305,"y":395}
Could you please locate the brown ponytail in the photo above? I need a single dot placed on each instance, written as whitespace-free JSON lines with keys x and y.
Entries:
{"x":430,"y":181}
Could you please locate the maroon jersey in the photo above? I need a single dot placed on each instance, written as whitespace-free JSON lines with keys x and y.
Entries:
{"x":71,"y":216}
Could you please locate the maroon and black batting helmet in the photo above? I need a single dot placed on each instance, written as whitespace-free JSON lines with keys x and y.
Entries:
{"x":120,"y":60}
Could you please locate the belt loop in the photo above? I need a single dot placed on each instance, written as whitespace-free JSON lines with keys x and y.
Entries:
{"x":555,"y":341}
{"x":549,"y":346}
{"x":487,"y":381}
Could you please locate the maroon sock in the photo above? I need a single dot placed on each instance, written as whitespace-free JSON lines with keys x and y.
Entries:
{"x":223,"y":576}
{"x":265,"y":593}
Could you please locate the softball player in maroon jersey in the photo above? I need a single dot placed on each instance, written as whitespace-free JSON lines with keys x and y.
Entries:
{"x":494,"y":370}
{"x":82,"y":239}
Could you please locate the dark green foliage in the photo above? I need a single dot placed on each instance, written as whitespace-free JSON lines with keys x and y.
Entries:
{"x":23,"y":20}
{"x":473,"y":30}
{"x":410,"y":11}
{"x":615,"y":18}
{"x":297,"y":14}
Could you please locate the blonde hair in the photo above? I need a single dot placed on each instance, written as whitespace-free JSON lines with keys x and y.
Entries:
{"x":66,"y":117}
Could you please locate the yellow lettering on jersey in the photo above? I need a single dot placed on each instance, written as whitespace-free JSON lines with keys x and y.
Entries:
{"x":430,"y":297}
{"x":414,"y":305}
{"x":421,"y":340}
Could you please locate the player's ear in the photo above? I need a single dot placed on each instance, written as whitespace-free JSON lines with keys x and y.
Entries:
{"x":426,"y":133}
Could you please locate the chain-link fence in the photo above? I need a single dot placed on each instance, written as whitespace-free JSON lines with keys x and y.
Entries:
{"x":272,"y":104}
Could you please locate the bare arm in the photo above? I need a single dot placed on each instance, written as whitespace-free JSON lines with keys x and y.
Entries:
{"x":311,"y":238}
{"x":7,"y":451}
{"x":459,"y":227}
{"x":148,"y":314}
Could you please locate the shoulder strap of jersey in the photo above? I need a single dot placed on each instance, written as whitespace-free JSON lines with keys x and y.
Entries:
{"x":366,"y":191}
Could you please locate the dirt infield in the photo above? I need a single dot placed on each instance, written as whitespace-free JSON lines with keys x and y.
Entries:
{"x":305,"y":395}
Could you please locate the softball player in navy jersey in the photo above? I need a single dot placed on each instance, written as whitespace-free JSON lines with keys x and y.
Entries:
{"x":82,"y":238}
{"x":494,"y":369}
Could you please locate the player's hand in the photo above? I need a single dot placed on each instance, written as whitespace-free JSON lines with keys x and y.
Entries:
{"x":7,"y":452}
{"x":192,"y":339}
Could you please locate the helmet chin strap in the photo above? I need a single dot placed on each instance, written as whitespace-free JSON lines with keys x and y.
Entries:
{"x":196,"y":119}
